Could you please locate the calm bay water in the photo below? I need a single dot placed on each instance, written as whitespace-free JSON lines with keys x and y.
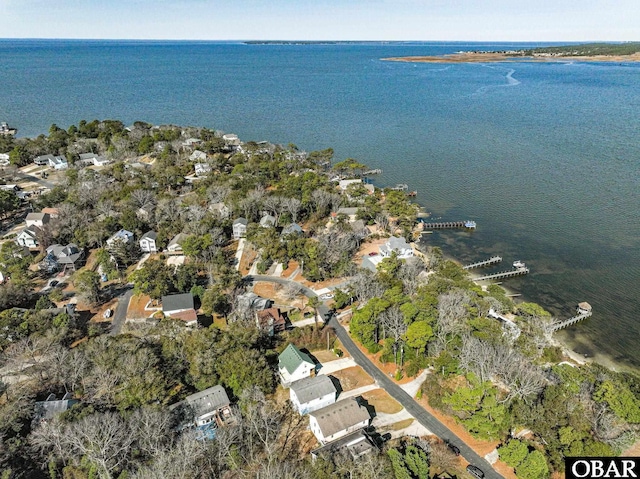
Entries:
{"x":545,"y":157}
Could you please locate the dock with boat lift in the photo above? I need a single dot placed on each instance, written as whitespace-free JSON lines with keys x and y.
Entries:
{"x":584,"y":311}
{"x":481,"y":264}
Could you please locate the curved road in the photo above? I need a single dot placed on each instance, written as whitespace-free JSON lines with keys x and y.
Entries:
{"x":417,"y":411}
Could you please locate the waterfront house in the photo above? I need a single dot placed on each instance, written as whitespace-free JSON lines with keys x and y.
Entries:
{"x":205,"y":410}
{"x":337,"y":420}
{"x":58,"y":162}
{"x":240,"y":228}
{"x":398,"y":245}
{"x":180,"y":306}
{"x":148,"y":242}
{"x":28,"y":237}
{"x":294,"y":365}
{"x":231,"y":140}
{"x":202,"y":169}
{"x":122,"y":235}
{"x":312,"y":393}
{"x":198,"y":155}
{"x":344,"y":184}
{"x":270,"y":320}
{"x":37,"y":219}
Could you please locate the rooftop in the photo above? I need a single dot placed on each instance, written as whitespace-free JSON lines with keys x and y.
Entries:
{"x":176,"y":302}
{"x":206,"y":401}
{"x":308,"y":389}
{"x":291,"y":358}
{"x":340,"y":416}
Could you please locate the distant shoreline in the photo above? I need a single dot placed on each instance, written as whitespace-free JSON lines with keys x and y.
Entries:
{"x":497,"y":57}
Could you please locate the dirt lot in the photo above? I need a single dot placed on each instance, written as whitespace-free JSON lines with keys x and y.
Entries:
{"x":382,"y":402}
{"x":324,"y":356}
{"x":136,"y":307}
{"x":352,"y":378}
{"x":249,"y":255}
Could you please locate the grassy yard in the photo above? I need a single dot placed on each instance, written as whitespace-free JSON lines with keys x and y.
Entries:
{"x":353,"y":378}
{"x":382,"y":402}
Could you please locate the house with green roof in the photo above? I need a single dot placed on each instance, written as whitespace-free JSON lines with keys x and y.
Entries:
{"x":294,"y":365}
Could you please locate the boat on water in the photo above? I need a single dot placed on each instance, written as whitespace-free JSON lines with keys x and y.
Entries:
{"x":6,"y":129}
{"x":412,"y":193}
{"x":470,"y":224}
{"x":519,"y":264}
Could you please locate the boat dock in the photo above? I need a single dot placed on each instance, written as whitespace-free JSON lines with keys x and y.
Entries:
{"x":504,"y":274}
{"x":480,"y":264}
{"x":448,"y":225}
{"x":400,"y":187}
{"x":584,"y":311}
{"x":376,"y":171}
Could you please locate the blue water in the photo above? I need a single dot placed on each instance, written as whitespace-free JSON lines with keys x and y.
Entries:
{"x":544,"y":156}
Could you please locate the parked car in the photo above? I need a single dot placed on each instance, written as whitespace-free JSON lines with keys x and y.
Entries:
{"x":107,"y":313}
{"x":475,"y":471}
{"x":53,"y":282}
{"x":326,"y":296}
{"x":373,"y":253}
{"x":455,"y":449}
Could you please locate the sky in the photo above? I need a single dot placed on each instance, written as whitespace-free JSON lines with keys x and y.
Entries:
{"x":402,"y":20}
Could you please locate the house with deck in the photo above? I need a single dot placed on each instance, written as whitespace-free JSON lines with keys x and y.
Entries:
{"x":312,"y":393}
{"x":175,"y":246}
{"x":396,"y":245}
{"x":64,"y":258}
{"x":122,"y":235}
{"x":205,"y":410}
{"x":240,"y":228}
{"x":180,"y":306}
{"x":270,"y":320}
{"x":337,"y":420}
{"x":148,"y":242}
{"x":28,"y":237}
{"x":294,"y":365}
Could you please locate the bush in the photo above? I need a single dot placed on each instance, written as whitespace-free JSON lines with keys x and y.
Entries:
{"x":413,"y":368}
{"x":338,"y":352}
{"x":399,"y":375}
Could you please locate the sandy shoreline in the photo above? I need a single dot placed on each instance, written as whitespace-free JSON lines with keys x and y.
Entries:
{"x":492,"y":57}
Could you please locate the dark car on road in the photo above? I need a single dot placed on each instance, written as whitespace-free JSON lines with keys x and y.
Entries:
{"x":475,"y":471}
{"x":455,"y":449}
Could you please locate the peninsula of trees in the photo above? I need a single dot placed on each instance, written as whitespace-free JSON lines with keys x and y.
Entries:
{"x":256,"y":239}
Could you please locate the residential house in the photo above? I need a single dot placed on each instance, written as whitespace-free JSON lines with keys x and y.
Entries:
{"x":240,"y":228}
{"x":58,"y":162}
{"x":94,"y":159}
{"x":51,"y":407}
{"x":292,"y":229}
{"x":174,"y":246}
{"x":270,"y":320}
{"x":267,"y":221}
{"x":231,"y":140}
{"x":122,"y":235}
{"x":205,"y":410}
{"x":355,"y":444}
{"x":313,"y":393}
{"x":148,"y":242}
{"x":191,"y":142}
{"x":360,"y":229}
{"x":43,"y":160}
{"x":68,"y":257}
{"x":220,"y":209}
{"x":251,"y":301}
{"x":348,"y":212}
{"x":202,"y":169}
{"x":371,"y":262}
{"x":28,"y":237}
{"x":397,"y":245}
{"x":294,"y":365}
{"x":198,"y":155}
{"x":37,"y":219}
{"x":180,"y":306}
{"x":344,"y":184}
{"x":52,"y":212}
{"x":337,"y":420}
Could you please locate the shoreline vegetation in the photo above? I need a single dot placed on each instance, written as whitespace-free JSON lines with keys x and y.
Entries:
{"x":596,"y":52}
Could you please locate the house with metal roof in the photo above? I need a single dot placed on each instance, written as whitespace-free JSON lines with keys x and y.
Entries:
{"x":148,"y":242}
{"x":338,"y":420}
{"x":267,"y":221}
{"x":355,"y":444}
{"x":51,"y":407}
{"x":294,"y":365}
{"x":397,"y":245}
{"x":180,"y":306}
{"x":313,"y":393}
{"x":122,"y":235}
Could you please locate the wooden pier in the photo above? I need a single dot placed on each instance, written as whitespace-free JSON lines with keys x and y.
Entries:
{"x":448,"y":225}
{"x":504,"y":274}
{"x":480,"y":264}
{"x":400,"y":187}
{"x":376,"y":171}
{"x":584,"y":311}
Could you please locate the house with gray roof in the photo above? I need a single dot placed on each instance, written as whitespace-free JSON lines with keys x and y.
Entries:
{"x":180,"y":306}
{"x":174,"y":246}
{"x":267,"y":221}
{"x":205,"y":410}
{"x":220,"y":209}
{"x":313,"y":393}
{"x":240,"y":228}
{"x":122,"y":235}
{"x":198,"y":155}
{"x":94,"y":159}
{"x":148,"y":242}
{"x":51,"y":407}
{"x":68,"y":257}
{"x":338,"y":420}
{"x":397,"y":245}
{"x":292,"y":229}
{"x":355,"y":444}
{"x":28,"y":237}
{"x":294,"y":365}
{"x":37,"y":219}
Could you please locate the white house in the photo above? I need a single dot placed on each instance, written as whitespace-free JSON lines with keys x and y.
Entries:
{"x":148,"y":242}
{"x":174,"y":246}
{"x":37,"y":219}
{"x":122,"y":235}
{"x":313,"y":393}
{"x":206,"y":410}
{"x":28,"y":237}
{"x":267,"y":221}
{"x":338,"y":420}
{"x":240,"y":228}
{"x":231,"y":139}
{"x":344,"y":184}
{"x":42,"y":160}
{"x":93,"y":158}
{"x":180,"y":306}
{"x":397,"y":245}
{"x":294,"y":365}
{"x":198,"y":155}
{"x":58,"y":162}
{"x":202,"y":169}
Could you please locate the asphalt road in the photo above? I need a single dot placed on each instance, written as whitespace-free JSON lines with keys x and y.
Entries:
{"x":120,"y":314}
{"x":417,"y":411}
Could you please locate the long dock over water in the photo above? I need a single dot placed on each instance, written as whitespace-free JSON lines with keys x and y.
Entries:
{"x":480,"y":264}
{"x":448,"y":225}
{"x":504,"y":274}
{"x":584,"y":311}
